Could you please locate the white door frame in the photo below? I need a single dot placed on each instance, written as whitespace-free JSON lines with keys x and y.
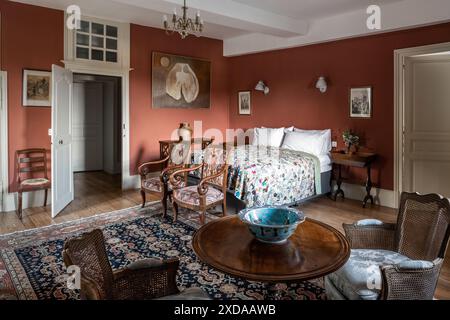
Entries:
{"x":4,"y":180}
{"x":400,"y":57}
{"x":128,"y":181}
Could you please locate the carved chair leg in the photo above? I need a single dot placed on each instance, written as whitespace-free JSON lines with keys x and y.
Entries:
{"x":224,"y":208}
{"x":175,"y":211}
{"x":203,"y":217}
{"x":19,"y":205}
{"x":143,"y":198}
{"x":164,"y":204}
{"x":45,"y":197}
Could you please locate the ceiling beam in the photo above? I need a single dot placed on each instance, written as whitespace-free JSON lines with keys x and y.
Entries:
{"x":232,"y":14}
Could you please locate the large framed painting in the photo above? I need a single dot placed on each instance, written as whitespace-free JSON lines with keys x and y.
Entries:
{"x":180,"y":82}
{"x":37,"y":91}
{"x":361,"y":102}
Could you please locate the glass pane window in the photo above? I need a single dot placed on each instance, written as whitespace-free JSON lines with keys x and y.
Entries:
{"x":82,"y":53}
{"x":111,"y":56}
{"x":82,"y":39}
{"x":97,"y":55}
{"x":84,"y":26}
{"x":97,"y":42}
{"x":111,"y":44}
{"x":98,"y":28}
{"x":111,"y":31}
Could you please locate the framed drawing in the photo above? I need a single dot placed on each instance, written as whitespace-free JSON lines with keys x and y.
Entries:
{"x":37,"y":91}
{"x":245,"y":103}
{"x":180,"y":82}
{"x":361,"y":102}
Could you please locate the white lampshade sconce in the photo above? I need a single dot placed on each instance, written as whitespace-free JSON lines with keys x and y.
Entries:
{"x":261,"y":86}
{"x":322,"y":85}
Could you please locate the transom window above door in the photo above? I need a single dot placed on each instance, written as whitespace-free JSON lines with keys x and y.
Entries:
{"x":97,"y":42}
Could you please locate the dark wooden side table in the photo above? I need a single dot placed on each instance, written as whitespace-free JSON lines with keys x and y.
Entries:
{"x":358,"y":160}
{"x":164,"y":145}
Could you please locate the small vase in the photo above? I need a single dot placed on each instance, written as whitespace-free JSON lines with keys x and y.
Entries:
{"x":185,"y":132}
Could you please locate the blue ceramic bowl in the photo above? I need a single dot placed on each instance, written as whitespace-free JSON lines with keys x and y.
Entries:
{"x":272,"y":224}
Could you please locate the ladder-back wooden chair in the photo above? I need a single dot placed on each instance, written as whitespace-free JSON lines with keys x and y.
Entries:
{"x":31,"y":166}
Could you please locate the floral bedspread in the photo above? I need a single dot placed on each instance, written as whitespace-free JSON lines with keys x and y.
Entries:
{"x":262,"y":176}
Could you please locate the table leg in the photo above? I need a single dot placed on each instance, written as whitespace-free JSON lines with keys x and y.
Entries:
{"x":339,"y":191}
{"x":368,"y":188}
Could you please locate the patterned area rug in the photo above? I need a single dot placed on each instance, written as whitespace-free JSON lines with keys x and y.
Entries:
{"x":31,"y":264}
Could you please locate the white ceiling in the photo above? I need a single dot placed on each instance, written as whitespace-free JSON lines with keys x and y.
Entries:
{"x":248,"y":26}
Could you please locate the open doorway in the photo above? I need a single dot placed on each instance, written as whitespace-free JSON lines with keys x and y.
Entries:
{"x":96,"y":134}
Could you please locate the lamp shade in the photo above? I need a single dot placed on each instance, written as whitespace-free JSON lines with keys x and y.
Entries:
{"x":261,"y":86}
{"x":322,"y":84}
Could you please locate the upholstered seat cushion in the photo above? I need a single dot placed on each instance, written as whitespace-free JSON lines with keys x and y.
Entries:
{"x":360,"y":278}
{"x":190,"y":196}
{"x":155,"y":185}
{"x":34,"y":182}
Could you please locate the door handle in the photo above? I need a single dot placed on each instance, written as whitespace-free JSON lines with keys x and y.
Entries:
{"x":60,"y":141}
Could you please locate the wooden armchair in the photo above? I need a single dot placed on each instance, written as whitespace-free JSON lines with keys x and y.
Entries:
{"x":160,"y":186}
{"x":30,"y":162}
{"x":395,"y":261}
{"x":141,"y":280}
{"x":212,"y":189}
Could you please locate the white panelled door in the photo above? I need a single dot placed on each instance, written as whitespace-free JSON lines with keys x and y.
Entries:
{"x":62,"y":174}
{"x":87,"y":125}
{"x":427,"y":125}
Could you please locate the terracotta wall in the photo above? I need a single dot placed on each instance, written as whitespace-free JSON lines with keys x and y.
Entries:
{"x":291,"y":75}
{"x":32,"y":38}
{"x":147,"y":125}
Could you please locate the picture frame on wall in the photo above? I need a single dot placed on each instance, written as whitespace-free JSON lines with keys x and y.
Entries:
{"x":245,"y":102}
{"x":37,"y":88}
{"x":361,"y":102}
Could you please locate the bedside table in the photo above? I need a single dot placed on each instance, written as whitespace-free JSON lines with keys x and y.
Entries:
{"x":358,"y":160}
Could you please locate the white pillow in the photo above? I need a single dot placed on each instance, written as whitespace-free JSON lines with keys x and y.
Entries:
{"x":268,"y":137}
{"x":326,"y":135}
{"x":304,"y":141}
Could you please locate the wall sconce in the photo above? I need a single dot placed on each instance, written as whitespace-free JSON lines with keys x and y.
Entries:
{"x":322,"y":84}
{"x":261,"y":86}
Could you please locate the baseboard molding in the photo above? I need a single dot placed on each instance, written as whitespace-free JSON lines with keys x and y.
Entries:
{"x":29,"y":200}
{"x":381,"y":197}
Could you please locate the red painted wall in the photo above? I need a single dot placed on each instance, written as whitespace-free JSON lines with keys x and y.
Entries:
{"x":291,"y":75}
{"x":147,"y":125}
{"x":32,"y":38}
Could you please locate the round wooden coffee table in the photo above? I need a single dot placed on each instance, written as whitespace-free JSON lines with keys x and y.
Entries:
{"x":313,"y":251}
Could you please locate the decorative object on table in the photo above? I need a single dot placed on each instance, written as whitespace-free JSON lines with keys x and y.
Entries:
{"x":185,"y":131}
{"x":131,"y":234}
{"x":212,"y":189}
{"x":361,"y":102}
{"x":245,"y":102}
{"x":321,"y":84}
{"x":37,"y":89}
{"x":183,"y":25}
{"x":30,"y":162}
{"x":261,"y":86}
{"x":272,"y":224}
{"x":314,"y":250}
{"x":401,"y":261}
{"x":139,"y":280}
{"x":180,"y":82}
{"x":358,"y":160}
{"x":351,"y":141}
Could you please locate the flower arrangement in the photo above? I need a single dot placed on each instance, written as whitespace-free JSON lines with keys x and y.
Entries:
{"x":350,"y":140}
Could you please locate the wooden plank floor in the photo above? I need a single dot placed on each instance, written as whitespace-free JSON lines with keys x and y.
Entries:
{"x":98,"y":192}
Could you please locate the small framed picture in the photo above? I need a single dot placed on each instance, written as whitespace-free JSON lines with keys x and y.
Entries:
{"x":361,"y":102}
{"x":37,"y":91}
{"x":245,"y":103}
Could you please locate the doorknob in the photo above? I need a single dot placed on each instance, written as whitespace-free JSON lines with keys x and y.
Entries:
{"x":60,"y":141}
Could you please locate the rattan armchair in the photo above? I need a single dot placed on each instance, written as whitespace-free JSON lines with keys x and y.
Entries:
{"x":141,"y":280}
{"x":415,"y":247}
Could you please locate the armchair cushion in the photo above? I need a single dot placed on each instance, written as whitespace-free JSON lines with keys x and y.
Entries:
{"x":190,"y":196}
{"x":360,"y":278}
{"x":415,"y":265}
{"x":145,"y":264}
{"x":369,"y":222}
{"x":154,"y":184}
{"x":188,"y":294}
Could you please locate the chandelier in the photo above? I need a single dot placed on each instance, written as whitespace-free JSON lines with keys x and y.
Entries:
{"x":183,"y":25}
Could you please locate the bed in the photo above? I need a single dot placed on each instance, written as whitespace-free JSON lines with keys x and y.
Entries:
{"x":269,"y":175}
